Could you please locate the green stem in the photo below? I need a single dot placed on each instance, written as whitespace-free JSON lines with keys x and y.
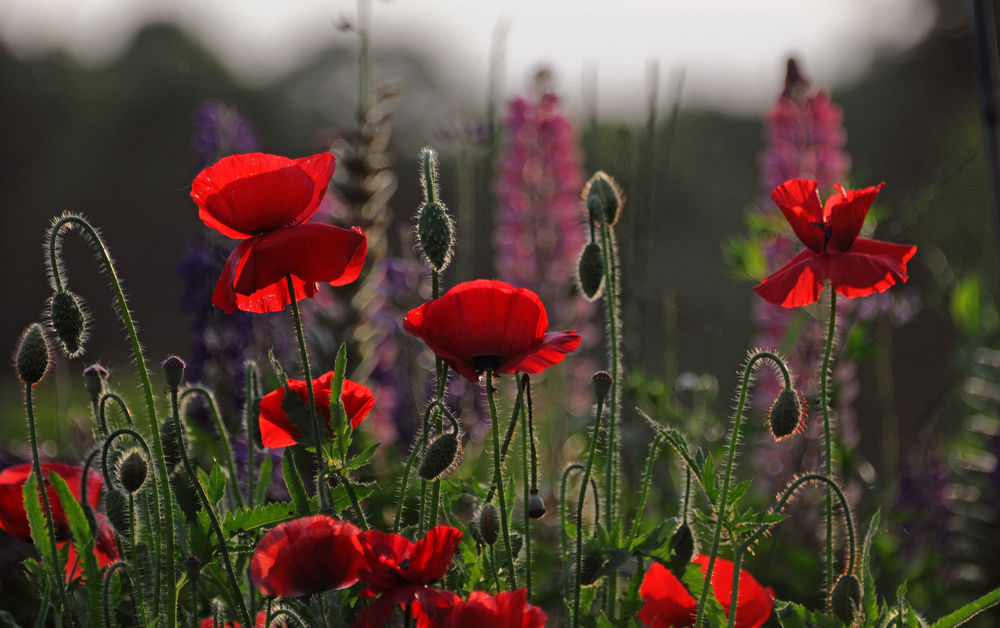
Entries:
{"x":250,"y":375}
{"x":106,"y":592}
{"x":440,"y":369}
{"x":405,"y":479}
{"x":166,"y":508}
{"x":137,"y":580}
{"x":210,"y":509}
{"x":508,"y":437}
{"x":358,"y":511}
{"x":220,"y":427}
{"x":493,"y":567}
{"x":647,"y":478}
{"x":36,"y":467}
{"x":102,"y":413}
{"x":734,"y":438}
{"x":522,"y":383}
{"x":498,"y":480}
{"x":824,"y":403}
{"x":734,"y":597}
{"x":579,"y":513}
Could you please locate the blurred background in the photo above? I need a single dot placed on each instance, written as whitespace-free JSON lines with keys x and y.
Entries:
{"x":110,"y":107}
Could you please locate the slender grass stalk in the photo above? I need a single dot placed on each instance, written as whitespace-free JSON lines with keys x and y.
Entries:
{"x":824,"y":402}
{"x":165,"y":503}
{"x":498,"y":480}
{"x":579,"y":512}
{"x":647,"y":478}
{"x":220,"y":427}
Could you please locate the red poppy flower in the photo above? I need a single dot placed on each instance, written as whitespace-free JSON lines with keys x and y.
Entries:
{"x":855,"y":267}
{"x":276,"y":430}
{"x":666,"y":603}
{"x":105,"y":548}
{"x":307,"y":555}
{"x":754,"y":604}
{"x":14,"y":520}
{"x":264,"y":201}
{"x":508,"y":609}
{"x":208,"y":622}
{"x":490,"y":325}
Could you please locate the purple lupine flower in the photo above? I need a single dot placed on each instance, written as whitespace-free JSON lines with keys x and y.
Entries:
{"x":922,"y":504}
{"x":221,"y":130}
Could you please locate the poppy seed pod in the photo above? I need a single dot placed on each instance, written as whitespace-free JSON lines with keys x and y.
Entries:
{"x":173,"y":369}
{"x":132,"y":471}
{"x":116,"y":507}
{"x":489,"y":524}
{"x":536,"y":506}
{"x":32,"y":355}
{"x":94,"y":377}
{"x":590,"y":271}
{"x":441,"y":456}
{"x":845,"y":599}
{"x":787,"y":415}
{"x":66,"y":317}
{"x":602,"y":384}
{"x":435,"y":235}
{"x":602,"y":192}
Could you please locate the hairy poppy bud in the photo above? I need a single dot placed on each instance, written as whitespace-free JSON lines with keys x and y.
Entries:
{"x":488,"y":524}
{"x":845,"y":599}
{"x":602,"y":192}
{"x":116,"y":507}
{"x":435,"y":235}
{"x":192,"y":565}
{"x":590,"y":271}
{"x":171,"y":443}
{"x":173,"y":368}
{"x":536,"y":506}
{"x":681,"y":549}
{"x":440,"y":457}
{"x":68,"y":321}
{"x":94,"y":377}
{"x":787,"y":415}
{"x":593,"y":561}
{"x":32,"y":355}
{"x":602,"y":384}
{"x":132,"y":471}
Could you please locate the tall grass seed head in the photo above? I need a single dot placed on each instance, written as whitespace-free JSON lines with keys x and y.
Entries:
{"x":132,"y":471}
{"x":32,"y":355}
{"x":435,"y":234}
{"x":787,"y":415}
{"x":94,"y":378}
{"x":68,"y":321}
{"x":605,"y":190}
{"x":845,"y":599}
{"x":441,"y":457}
{"x":590,"y":271}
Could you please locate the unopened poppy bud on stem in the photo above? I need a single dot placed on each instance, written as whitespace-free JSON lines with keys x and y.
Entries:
{"x":488,"y":524}
{"x":602,"y":385}
{"x":441,"y":456}
{"x":132,"y":471}
{"x":536,"y":505}
{"x":116,"y":507}
{"x":68,"y":321}
{"x":32,"y":359}
{"x":787,"y":415}
{"x":845,"y":599}
{"x":94,"y":377}
{"x":173,"y":369}
{"x":601,"y":192}
{"x":590,"y":271}
{"x":435,"y":232}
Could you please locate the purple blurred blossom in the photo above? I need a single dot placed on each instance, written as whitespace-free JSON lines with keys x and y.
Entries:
{"x":221,"y":130}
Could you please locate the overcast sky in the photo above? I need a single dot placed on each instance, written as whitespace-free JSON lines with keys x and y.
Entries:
{"x":732,"y":51}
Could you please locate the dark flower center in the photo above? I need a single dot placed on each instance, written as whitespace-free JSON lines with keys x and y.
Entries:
{"x":826,"y":229}
{"x":404,"y":564}
{"x":486,"y":362}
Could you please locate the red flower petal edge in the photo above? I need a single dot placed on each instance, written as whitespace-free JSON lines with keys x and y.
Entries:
{"x":754,"y":602}
{"x":277,"y":431}
{"x":14,"y":520}
{"x":665,"y":601}
{"x":508,"y":609}
{"x":393,"y":561}
{"x":307,"y":555}
{"x":490,"y":325}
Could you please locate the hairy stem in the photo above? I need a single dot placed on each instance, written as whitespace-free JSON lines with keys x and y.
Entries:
{"x":498,"y":480}
{"x":579,"y":513}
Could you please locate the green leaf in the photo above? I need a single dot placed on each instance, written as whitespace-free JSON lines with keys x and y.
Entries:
{"x":36,"y":520}
{"x":83,"y":540}
{"x":342,"y":501}
{"x":795,"y":614}
{"x":738,"y":491}
{"x":655,"y":540}
{"x":868,"y":596}
{"x":245,"y":519}
{"x":708,"y":479}
{"x":694,"y":580}
{"x":363,"y":458}
{"x":264,"y":479}
{"x":966,"y":304}
{"x":341,"y":427}
{"x":969,"y":611}
{"x":294,"y":483}
{"x":214,"y":483}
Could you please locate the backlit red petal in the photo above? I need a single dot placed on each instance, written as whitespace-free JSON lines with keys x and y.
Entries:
{"x":793,"y":285}
{"x":871,"y":266}
{"x":507,"y":609}
{"x":432,"y":554}
{"x":13,"y":519}
{"x":665,"y":601}
{"x":754,"y":602}
{"x":277,"y":431}
{"x":551,"y":351}
{"x":799,"y":202}
{"x":845,"y":212}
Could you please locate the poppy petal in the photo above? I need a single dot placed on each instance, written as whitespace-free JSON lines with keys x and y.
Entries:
{"x":276,"y":430}
{"x":754,"y":602}
{"x":432,"y":554}
{"x":666,"y":602}
{"x":799,"y":202}
{"x":550,"y":352}
{"x":14,"y":520}
{"x":793,"y":285}
{"x":244,"y":195}
{"x":845,"y":212}
{"x":870,"y":266}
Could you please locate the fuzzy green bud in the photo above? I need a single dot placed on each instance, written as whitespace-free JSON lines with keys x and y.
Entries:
{"x":602,"y":193}
{"x":435,"y":235}
{"x":132,"y":471}
{"x":171,"y":443}
{"x":440,"y":457}
{"x":488,"y":524}
{"x":590,"y":271}
{"x":787,"y":415}
{"x":536,"y":505}
{"x":681,"y":549}
{"x":593,"y":562}
{"x":116,"y":507}
{"x":602,"y":385}
{"x":32,"y":359}
{"x":845,"y":599}
{"x":94,"y":378}
{"x":67,"y":319}
{"x":173,"y":369}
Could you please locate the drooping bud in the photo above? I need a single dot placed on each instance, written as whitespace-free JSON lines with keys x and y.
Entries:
{"x":602,"y":192}
{"x":536,"y":505}
{"x":590,"y":271}
{"x":132,"y":471}
{"x":116,"y":507}
{"x":845,"y":599}
{"x":94,"y":378}
{"x":787,"y":415}
{"x":681,"y":549}
{"x":173,"y":369}
{"x":68,"y":321}
{"x":488,"y":524}
{"x":441,"y":456}
{"x":32,"y":359}
{"x":435,"y":235}
{"x":602,"y":385}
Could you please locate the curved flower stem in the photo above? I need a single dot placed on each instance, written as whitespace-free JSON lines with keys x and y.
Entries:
{"x":734,"y":438}
{"x":498,"y":480}
{"x":118,"y":565}
{"x":36,"y":468}
{"x":647,"y":477}
{"x":522,"y":384}
{"x":166,"y":506}
{"x":405,"y":479}
{"x":563,"y":537}
{"x":220,"y":426}
{"x":579,"y":513}
{"x":210,"y":509}
{"x":824,"y":403}
{"x":106,"y":448}
{"x":321,"y":492}
{"x":102,"y":413}
{"x":137,"y":586}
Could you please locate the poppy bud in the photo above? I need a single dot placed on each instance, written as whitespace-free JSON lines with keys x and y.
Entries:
{"x":787,"y":415}
{"x":173,"y":368}
{"x":681,"y":549}
{"x":536,"y":506}
{"x":435,"y":235}
{"x":602,"y":384}
{"x":192,"y":566}
{"x":602,"y":193}
{"x":116,"y":507}
{"x":593,"y":561}
{"x":440,"y":457}
{"x":489,"y":524}
{"x":170,"y":442}
{"x":94,"y":377}
{"x":132,"y":471}
{"x":845,"y":600}
{"x":32,"y":355}
{"x":590,"y":271}
{"x":68,"y":321}
{"x":184,"y":495}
